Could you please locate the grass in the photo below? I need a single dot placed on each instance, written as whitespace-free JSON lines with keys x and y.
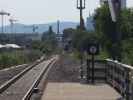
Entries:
{"x":16,"y":57}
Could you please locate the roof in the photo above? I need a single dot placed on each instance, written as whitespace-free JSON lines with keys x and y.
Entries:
{"x":15,"y":46}
{"x":1,"y":46}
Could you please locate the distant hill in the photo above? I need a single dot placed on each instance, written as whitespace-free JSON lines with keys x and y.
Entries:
{"x":21,"y":28}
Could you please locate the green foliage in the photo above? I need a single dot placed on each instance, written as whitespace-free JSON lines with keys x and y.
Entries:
{"x":8,"y":59}
{"x":81,"y":39}
{"x":49,"y":41}
{"x":67,"y":33}
{"x":127,"y":51}
{"x":103,"y":24}
{"x":106,"y":29}
{"x":126,"y":23}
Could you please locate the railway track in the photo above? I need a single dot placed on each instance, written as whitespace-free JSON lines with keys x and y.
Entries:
{"x":23,"y":85}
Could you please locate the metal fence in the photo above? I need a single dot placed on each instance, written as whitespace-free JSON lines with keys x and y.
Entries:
{"x":118,"y":75}
{"x":99,"y":74}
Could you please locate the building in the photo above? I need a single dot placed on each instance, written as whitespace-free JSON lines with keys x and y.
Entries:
{"x":89,"y":23}
{"x":59,"y":38}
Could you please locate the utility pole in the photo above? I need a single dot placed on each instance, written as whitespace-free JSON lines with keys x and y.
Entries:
{"x":81,"y":7}
{"x":12,"y":24}
{"x":58,"y":27}
{"x":3,"y":13}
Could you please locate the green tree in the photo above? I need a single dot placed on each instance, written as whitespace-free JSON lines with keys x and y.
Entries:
{"x":107,"y":31}
{"x":49,"y":41}
{"x":67,"y":33}
{"x":104,"y":25}
{"x":126,"y":23}
{"x":127,"y":51}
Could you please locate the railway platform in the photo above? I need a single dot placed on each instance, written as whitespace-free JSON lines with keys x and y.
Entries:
{"x":77,"y":91}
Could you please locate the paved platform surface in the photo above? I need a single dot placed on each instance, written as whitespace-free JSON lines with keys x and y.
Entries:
{"x":77,"y":91}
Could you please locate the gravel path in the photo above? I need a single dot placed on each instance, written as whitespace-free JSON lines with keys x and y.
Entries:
{"x":65,"y":70}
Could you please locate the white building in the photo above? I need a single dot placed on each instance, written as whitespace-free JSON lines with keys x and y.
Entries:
{"x":14,"y":46}
{"x":89,"y":23}
{"x":7,"y":46}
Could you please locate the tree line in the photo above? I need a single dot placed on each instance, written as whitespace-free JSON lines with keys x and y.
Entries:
{"x":105,"y":35}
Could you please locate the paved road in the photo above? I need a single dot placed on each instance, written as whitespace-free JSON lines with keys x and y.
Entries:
{"x":76,"y":91}
{"x":17,"y":90}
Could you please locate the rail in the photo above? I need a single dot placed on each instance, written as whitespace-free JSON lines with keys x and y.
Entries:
{"x":118,"y":75}
{"x":31,"y":76}
{"x":37,"y":81}
{"x":15,"y":78}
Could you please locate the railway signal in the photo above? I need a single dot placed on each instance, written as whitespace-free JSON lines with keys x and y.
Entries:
{"x":11,"y":20}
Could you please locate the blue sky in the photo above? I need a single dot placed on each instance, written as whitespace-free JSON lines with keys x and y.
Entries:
{"x":44,"y":11}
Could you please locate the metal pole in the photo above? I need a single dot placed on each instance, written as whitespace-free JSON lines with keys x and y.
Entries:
{"x":58,"y":27}
{"x":81,"y":14}
{"x":11,"y":27}
{"x":93,"y":69}
{"x":2,"y":23}
{"x":127,"y":84}
{"x":81,"y":6}
{"x":81,"y":68}
{"x":88,"y":70}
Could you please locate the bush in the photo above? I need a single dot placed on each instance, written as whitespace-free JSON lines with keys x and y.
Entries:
{"x":13,"y":58}
{"x":127,"y":52}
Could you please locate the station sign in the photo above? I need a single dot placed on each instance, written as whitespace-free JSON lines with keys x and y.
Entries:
{"x":93,"y":49}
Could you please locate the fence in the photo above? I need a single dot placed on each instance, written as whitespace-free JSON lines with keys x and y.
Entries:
{"x":118,"y":75}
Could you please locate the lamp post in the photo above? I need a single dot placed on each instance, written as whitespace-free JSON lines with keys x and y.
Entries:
{"x":3,"y":13}
{"x":81,"y":7}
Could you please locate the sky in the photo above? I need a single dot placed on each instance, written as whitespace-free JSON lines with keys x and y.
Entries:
{"x":45,"y":11}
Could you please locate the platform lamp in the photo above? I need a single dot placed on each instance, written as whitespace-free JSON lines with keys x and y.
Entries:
{"x":81,"y":7}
